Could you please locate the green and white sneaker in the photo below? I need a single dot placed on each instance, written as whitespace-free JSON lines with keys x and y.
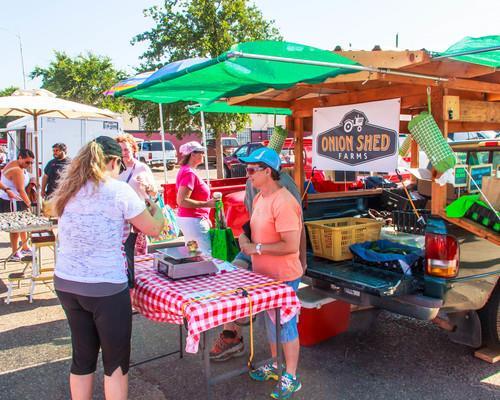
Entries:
{"x":287,"y":386}
{"x":265,"y":373}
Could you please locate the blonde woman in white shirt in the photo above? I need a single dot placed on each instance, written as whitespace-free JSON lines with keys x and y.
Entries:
{"x":95,"y":210}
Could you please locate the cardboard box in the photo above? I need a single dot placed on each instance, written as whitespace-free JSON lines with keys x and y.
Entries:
{"x":491,"y":189}
{"x":424,"y":188}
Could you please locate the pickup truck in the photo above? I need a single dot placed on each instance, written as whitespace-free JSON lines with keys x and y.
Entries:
{"x":461,"y":295}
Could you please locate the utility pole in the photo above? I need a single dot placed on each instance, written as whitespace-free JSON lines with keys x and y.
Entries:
{"x":18,"y":36}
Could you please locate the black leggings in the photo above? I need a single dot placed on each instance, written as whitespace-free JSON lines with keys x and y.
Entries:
{"x":99,"y":322}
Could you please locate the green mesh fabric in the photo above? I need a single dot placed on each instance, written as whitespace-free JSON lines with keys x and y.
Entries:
{"x":487,"y":58}
{"x":427,"y":134}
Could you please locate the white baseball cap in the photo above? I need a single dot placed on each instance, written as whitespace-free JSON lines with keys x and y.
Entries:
{"x":189,"y":147}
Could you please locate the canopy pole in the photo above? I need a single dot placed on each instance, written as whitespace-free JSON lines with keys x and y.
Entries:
{"x":204,"y":138}
{"x":37,"y":168}
{"x":236,"y":54}
{"x":162,"y":133}
{"x":467,"y":52}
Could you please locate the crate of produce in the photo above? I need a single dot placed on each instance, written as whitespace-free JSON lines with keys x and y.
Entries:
{"x":331,"y":238}
{"x":406,"y":221}
{"x":396,"y":199}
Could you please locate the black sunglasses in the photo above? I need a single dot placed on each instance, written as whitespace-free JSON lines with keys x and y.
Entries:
{"x":122,"y":166}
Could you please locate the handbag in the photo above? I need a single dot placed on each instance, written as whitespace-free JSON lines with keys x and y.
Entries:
{"x":222,"y":240}
{"x":170,"y":228}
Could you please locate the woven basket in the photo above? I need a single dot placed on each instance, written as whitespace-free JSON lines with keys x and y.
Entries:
{"x":331,"y":238}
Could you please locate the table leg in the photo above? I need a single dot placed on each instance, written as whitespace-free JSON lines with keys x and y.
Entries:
{"x":206,"y":362}
{"x":279,"y":355}
{"x":181,"y":344}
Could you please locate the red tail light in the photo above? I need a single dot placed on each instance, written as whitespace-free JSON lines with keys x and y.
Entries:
{"x":150,"y":156}
{"x":442,"y":253}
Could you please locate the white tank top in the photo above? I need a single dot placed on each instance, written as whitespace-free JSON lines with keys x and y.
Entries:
{"x":10,"y":185}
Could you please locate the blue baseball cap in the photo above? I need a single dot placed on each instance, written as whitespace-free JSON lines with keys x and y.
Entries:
{"x":264,"y":155}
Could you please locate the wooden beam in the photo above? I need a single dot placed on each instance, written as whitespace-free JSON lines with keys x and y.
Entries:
{"x":472,"y":85}
{"x":298,"y":172}
{"x":240,"y":99}
{"x":493,"y":97}
{"x":471,"y":226}
{"x":438,"y":193}
{"x":362,"y":96}
{"x":264,"y":103}
{"x":349,"y":193}
{"x":479,"y":111}
{"x":451,"y":68}
{"x":387,"y":58}
{"x":452,"y":83}
{"x":458,"y":126}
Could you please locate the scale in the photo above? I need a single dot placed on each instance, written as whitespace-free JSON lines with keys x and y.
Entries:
{"x":179,"y":262}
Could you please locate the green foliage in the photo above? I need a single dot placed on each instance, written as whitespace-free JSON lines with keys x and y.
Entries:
{"x":7,"y":92}
{"x":198,"y":28}
{"x":83,"y":79}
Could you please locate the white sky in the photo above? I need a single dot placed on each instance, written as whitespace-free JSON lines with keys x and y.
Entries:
{"x":106,"y":27}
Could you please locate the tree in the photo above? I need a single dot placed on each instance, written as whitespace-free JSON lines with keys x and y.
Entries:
{"x":199,"y":28}
{"x":83,"y":79}
{"x":7,"y":92}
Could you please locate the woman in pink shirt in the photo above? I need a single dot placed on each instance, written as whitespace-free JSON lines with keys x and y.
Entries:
{"x":193,"y":197}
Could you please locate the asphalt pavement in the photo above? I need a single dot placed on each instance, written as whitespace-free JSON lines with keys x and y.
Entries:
{"x":393,"y":357}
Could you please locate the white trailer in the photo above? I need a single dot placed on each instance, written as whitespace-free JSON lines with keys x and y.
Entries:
{"x":73,"y":132}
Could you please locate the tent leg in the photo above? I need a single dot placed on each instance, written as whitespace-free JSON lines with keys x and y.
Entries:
{"x":37,"y":169}
{"x":204,"y":138}
{"x":162,"y":132}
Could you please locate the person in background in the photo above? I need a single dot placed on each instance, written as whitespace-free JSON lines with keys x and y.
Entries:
{"x":229,"y":343}
{"x":140,"y":178}
{"x":276,"y":226}
{"x":15,"y":178}
{"x":53,"y":169}
{"x":95,"y":211}
{"x":193,"y":197}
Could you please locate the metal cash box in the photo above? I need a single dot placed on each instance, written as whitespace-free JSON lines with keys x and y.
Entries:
{"x":179,"y":262}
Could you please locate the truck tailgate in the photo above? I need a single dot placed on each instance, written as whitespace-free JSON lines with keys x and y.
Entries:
{"x":358,"y":277}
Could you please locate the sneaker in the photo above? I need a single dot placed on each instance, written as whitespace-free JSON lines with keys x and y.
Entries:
{"x":225,"y":348}
{"x":27,"y":252}
{"x":287,"y":386}
{"x":265,"y":373}
{"x":15,"y":257}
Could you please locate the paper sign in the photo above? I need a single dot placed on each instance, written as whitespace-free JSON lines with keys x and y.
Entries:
{"x":460,"y":175}
{"x":358,"y":137}
{"x":477,"y":172}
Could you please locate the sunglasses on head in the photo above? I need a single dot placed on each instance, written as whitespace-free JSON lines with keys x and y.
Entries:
{"x":253,"y":170}
{"x":198,"y":152}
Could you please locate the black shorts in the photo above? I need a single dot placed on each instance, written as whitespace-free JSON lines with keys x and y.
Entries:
{"x":9,"y":206}
{"x":99,"y":322}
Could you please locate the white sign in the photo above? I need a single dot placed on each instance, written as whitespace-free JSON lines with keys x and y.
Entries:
{"x":357,"y":137}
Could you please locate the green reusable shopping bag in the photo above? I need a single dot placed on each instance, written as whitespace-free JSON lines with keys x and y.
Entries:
{"x":222,"y":240}
{"x":427,"y":134}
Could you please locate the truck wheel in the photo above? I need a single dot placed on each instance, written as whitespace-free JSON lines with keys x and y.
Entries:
{"x":143,"y":160}
{"x":490,"y":320}
{"x":227,"y":172}
{"x":170,"y":167}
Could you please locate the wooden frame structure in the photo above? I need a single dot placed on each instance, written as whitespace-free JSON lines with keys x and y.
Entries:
{"x":468,"y":100}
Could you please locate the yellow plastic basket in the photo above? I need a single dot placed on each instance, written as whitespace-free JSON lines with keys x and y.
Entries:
{"x":331,"y":238}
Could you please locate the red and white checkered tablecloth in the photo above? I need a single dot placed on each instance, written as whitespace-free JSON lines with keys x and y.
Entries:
{"x":161,"y":299}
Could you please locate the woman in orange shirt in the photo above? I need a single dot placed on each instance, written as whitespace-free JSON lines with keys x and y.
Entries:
{"x":276,"y":226}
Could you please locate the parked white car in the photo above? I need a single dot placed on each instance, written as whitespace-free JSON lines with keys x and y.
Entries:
{"x":151,"y":153}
